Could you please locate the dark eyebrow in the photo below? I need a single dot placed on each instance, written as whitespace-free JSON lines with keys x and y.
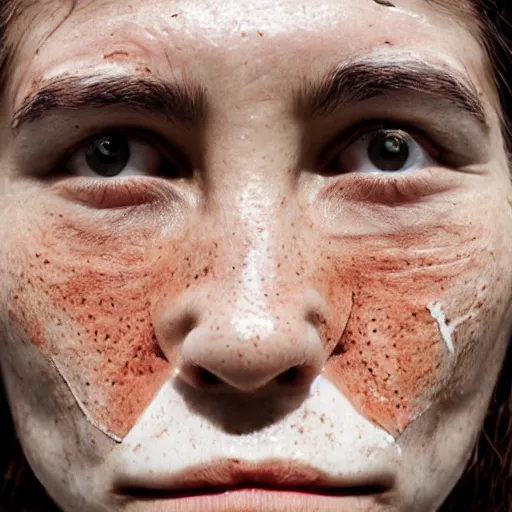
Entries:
{"x":179,"y":102}
{"x":363,"y":79}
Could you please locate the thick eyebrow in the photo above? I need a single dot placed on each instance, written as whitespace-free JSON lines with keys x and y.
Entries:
{"x":181,"y":103}
{"x":360,"y":80}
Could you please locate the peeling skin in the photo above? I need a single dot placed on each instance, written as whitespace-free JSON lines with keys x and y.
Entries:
{"x":447,"y":326}
{"x":254,"y":264}
{"x":445,"y":330}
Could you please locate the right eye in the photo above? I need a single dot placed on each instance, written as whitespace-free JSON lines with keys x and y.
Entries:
{"x":118,"y":154}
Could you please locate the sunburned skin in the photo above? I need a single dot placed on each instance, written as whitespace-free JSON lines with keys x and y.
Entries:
{"x":258,"y":305}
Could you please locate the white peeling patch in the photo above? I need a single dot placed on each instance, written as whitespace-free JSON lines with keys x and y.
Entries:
{"x":445,"y":329}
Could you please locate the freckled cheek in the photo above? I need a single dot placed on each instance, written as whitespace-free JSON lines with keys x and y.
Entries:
{"x":392,"y":363}
{"x":392,"y":360}
{"x":94,"y":320}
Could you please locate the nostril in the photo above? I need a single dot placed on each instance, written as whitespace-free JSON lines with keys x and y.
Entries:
{"x":206,"y":378}
{"x":290,"y":377}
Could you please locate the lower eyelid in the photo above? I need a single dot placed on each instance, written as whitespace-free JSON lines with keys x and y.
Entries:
{"x":388,"y":188}
{"x":116,"y":192}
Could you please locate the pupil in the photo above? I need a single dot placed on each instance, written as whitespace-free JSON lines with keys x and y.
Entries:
{"x":388,"y":151}
{"x":107,"y":155}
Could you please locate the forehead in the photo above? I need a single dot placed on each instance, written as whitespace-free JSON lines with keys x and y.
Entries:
{"x":210,"y":40}
{"x":226,"y":19}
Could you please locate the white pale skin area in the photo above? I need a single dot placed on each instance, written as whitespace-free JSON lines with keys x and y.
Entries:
{"x":393,"y":309}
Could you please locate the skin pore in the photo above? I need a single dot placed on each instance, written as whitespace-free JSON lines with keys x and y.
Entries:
{"x":250,"y":289}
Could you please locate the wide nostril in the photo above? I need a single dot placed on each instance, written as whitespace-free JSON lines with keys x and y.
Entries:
{"x":202,"y":378}
{"x":206,"y":378}
{"x":199,"y":377}
{"x":291,"y":377}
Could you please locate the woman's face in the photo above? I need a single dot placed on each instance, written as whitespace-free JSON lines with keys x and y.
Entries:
{"x":256,"y":256}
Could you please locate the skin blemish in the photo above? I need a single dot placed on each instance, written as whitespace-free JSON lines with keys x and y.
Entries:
{"x":445,"y":329}
{"x":385,"y":3}
{"x":116,"y":55}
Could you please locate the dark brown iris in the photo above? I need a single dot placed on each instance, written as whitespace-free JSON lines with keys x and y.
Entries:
{"x":107,"y":155}
{"x":388,"y":151}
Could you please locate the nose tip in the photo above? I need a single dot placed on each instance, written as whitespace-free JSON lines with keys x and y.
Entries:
{"x":222,"y":362}
{"x":295,"y":377}
{"x":223,"y":348}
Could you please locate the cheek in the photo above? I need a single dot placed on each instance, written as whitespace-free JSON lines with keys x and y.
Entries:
{"x":396,"y":355}
{"x":86,"y":302}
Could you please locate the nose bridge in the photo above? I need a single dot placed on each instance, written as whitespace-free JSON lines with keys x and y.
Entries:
{"x":263,"y":226}
{"x":261,"y":327}
{"x":255,"y":322}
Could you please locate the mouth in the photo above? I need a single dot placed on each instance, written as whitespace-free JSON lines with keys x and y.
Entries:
{"x":236,"y":476}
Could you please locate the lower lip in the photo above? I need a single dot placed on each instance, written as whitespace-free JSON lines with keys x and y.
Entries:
{"x":254,"y":500}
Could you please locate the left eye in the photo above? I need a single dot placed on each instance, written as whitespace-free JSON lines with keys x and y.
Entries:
{"x":382,"y":150}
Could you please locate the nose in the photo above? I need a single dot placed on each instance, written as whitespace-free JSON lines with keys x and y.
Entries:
{"x":245,"y":343}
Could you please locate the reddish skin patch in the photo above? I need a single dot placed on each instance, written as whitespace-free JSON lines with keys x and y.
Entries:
{"x":111,"y":358}
{"x":391,"y":361}
{"x":106,"y":278}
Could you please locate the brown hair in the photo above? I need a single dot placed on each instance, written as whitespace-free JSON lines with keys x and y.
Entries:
{"x":486,"y":484}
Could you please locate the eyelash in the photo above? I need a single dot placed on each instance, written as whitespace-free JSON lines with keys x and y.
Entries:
{"x":390,"y":188}
{"x":438,"y":150}
{"x":170,"y":153}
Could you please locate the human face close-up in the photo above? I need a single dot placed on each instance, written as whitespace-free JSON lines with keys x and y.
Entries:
{"x":256,"y":256}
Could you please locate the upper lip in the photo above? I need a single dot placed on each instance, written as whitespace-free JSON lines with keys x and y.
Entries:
{"x":228,"y":474}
